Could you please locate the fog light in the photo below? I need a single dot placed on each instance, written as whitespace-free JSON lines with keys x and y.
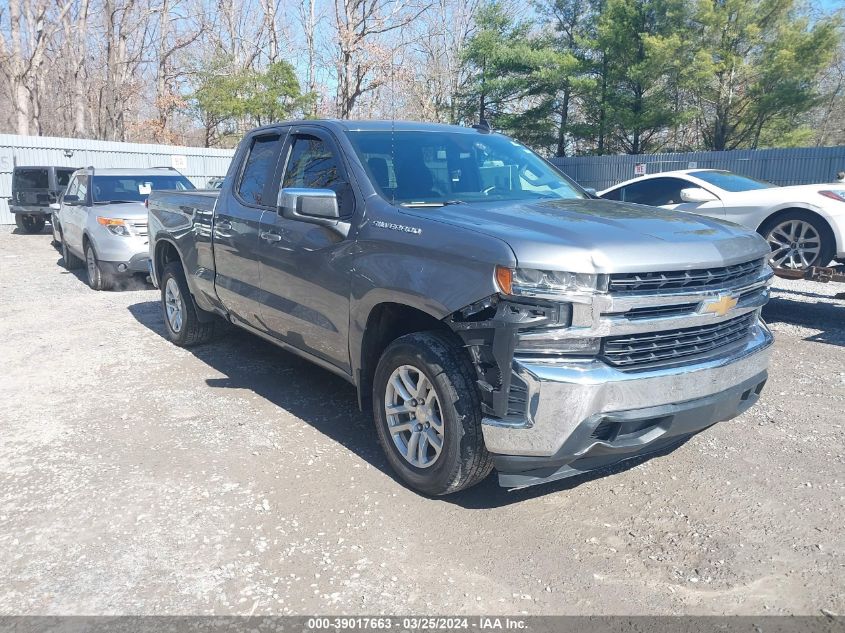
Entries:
{"x":554,"y":341}
{"x":122,"y":267}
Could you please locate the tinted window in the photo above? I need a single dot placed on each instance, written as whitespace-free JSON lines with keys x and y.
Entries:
{"x":63,"y":177}
{"x":731,"y":182}
{"x":131,"y":188}
{"x":616,"y":194}
{"x":655,"y":191}
{"x":441,"y":166}
{"x":258,"y":169}
{"x":31,"y":179}
{"x":312,"y":165}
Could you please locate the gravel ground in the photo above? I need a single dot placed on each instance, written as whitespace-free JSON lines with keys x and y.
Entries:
{"x":140,"y":478}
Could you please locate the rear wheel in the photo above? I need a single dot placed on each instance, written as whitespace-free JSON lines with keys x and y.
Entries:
{"x":29,"y":223}
{"x":181,"y":314}
{"x":71,"y":261}
{"x":798,"y":240}
{"x":428,"y":414}
{"x":98,"y":278}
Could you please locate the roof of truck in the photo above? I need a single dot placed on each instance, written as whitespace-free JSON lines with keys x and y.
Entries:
{"x":375,"y":126}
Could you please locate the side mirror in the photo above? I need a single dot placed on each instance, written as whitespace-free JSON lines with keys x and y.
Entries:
{"x":315,"y":206}
{"x":697,"y":194}
{"x":591,"y":192}
{"x":55,"y":206}
{"x":71,"y":200}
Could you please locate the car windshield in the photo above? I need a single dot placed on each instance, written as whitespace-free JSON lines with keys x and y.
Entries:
{"x":416,"y":168}
{"x":729,"y":181}
{"x":131,"y":188}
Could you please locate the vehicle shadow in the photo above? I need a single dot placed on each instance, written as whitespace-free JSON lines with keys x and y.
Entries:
{"x":330,"y":405}
{"x":825,"y":314}
{"x":121,"y":284}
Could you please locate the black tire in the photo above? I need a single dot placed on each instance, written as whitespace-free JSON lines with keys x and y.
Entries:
{"x":98,"y":278}
{"x":827,"y":242}
{"x":29,"y":223}
{"x":71,"y":261}
{"x":56,"y":231}
{"x":192,"y":331}
{"x":463,"y":460}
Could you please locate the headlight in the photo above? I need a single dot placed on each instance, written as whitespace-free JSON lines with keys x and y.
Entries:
{"x":116,"y":226}
{"x":834,"y":194}
{"x":530,"y":282}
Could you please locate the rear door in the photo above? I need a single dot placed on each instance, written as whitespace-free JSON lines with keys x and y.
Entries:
{"x":31,"y":187}
{"x":236,"y":222}
{"x":304,"y":269}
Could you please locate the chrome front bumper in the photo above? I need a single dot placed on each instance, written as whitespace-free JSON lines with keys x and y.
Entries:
{"x":569,"y":400}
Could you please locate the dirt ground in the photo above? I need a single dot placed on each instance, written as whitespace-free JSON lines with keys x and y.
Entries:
{"x":140,"y":478}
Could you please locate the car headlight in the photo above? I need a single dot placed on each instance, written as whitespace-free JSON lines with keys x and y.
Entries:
{"x":530,"y":282}
{"x":116,"y":226}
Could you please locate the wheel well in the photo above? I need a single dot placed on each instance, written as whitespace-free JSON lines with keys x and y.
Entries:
{"x":772,"y":219}
{"x":164,"y":254}
{"x":386,"y":323}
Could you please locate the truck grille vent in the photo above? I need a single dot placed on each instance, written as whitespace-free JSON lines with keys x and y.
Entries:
{"x":652,"y":349}
{"x":703,"y":278}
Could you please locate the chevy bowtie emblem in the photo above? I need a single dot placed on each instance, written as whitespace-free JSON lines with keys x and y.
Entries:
{"x":720,"y":306}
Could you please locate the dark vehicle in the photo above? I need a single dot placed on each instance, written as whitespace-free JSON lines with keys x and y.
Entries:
{"x":34,"y":189}
{"x":489,"y":312}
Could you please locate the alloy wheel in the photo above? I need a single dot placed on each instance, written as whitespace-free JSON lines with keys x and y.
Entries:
{"x":173,"y":305}
{"x":795,"y":244}
{"x":414,"y":416}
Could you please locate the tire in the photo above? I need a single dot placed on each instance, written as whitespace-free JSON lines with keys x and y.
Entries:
{"x":29,"y":223}
{"x":798,"y":240}
{"x":71,"y":261}
{"x":462,"y":460}
{"x":57,"y":233}
{"x":189,"y":330}
{"x":98,"y":278}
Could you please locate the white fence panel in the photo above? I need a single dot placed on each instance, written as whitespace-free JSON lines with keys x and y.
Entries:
{"x":197,"y":163}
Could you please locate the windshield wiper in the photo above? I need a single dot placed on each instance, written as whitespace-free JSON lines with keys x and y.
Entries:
{"x":445,"y":203}
{"x":115,"y":201}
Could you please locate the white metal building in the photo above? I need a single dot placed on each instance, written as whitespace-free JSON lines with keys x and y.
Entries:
{"x":197,"y":163}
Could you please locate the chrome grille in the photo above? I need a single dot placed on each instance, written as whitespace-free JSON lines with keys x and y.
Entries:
{"x":651,"y":349}
{"x":140,"y":228}
{"x":701,"y":278}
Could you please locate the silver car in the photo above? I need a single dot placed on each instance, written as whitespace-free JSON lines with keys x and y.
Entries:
{"x":102,"y":220}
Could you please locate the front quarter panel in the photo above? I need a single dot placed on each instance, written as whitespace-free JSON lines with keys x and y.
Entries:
{"x":425,"y":264}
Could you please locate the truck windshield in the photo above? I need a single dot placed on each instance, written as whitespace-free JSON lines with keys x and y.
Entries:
{"x":419,"y":168}
{"x":134,"y":188}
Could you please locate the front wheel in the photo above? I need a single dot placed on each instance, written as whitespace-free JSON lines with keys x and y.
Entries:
{"x":98,"y":278}
{"x":428,"y":414}
{"x":798,"y":241}
{"x":29,"y":223}
{"x":181,"y":314}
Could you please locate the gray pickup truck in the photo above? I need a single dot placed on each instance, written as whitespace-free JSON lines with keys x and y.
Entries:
{"x":490,"y":313}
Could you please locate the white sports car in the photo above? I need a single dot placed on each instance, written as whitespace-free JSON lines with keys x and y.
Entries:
{"x":804,"y":224}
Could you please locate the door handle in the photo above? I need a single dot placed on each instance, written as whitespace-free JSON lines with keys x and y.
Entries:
{"x":270,"y":237}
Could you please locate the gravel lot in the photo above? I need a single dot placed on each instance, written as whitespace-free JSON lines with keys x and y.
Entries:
{"x":137,"y":477}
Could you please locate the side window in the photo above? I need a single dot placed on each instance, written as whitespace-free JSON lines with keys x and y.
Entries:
{"x":312,"y":165}
{"x":82,"y":188}
{"x":258,"y":170}
{"x":656,"y":191}
{"x":613,"y":195}
{"x":73,"y":187}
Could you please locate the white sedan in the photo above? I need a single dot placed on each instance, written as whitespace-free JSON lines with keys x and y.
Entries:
{"x":804,"y":224}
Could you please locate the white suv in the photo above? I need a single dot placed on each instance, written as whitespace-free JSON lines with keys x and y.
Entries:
{"x":102,"y":220}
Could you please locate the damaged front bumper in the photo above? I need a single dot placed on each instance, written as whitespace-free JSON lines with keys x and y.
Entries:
{"x":584,"y":416}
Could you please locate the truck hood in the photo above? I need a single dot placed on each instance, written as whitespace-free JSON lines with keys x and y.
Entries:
{"x":604,"y":236}
{"x":134,"y":211}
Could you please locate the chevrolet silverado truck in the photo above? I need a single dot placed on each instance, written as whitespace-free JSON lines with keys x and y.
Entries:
{"x":489,"y":312}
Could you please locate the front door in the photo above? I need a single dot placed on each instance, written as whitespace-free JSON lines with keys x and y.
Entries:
{"x":236,"y":223}
{"x":305,"y":270}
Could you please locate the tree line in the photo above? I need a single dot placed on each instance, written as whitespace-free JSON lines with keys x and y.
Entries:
{"x":564,"y":76}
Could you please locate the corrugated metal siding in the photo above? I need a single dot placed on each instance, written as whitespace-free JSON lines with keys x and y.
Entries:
{"x":794,"y":166}
{"x":202,"y":163}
